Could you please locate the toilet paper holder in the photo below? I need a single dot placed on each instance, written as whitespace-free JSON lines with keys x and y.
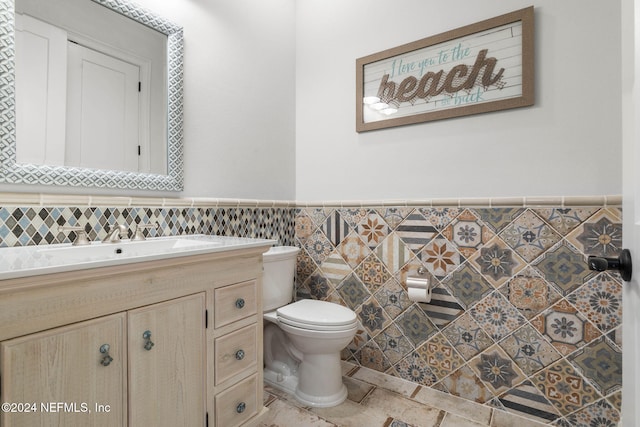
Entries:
{"x":419,"y":288}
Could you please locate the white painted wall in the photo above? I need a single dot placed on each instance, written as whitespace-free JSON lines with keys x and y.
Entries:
{"x":569,"y":143}
{"x":239,"y":100}
{"x":239,"y":104}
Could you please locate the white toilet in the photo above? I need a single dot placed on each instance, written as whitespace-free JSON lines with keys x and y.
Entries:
{"x":303,"y":339}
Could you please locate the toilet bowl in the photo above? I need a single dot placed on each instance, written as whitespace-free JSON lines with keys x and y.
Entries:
{"x":303,"y":339}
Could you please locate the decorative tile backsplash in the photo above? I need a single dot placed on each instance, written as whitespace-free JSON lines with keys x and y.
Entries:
{"x":516,"y":321}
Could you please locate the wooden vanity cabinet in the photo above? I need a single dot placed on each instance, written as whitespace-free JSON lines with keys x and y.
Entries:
{"x":183,"y":344}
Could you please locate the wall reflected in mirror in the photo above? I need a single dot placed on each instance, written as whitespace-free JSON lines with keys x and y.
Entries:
{"x":91,"y":88}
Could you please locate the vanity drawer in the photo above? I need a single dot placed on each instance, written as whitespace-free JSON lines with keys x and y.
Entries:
{"x":235,"y":352}
{"x":237,"y":404}
{"x":235,"y":302}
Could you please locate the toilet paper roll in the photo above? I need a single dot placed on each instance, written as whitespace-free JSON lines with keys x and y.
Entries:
{"x":419,"y":295}
{"x":418,"y":289}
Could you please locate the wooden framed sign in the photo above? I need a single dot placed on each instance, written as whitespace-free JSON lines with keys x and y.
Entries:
{"x":486,"y":66}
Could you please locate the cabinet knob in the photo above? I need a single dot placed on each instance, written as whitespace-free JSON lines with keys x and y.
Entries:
{"x":240,"y":354}
{"x":106,"y":359}
{"x":241,"y":407}
{"x":240,"y":303}
{"x":148,"y":344}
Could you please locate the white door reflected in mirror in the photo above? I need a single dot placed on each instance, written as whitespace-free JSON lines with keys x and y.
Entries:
{"x":91,"y":88}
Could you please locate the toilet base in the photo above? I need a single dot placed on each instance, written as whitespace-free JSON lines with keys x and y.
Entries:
{"x":289,"y":384}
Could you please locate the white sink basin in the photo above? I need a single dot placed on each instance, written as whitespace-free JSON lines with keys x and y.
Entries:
{"x":125,"y":249}
{"x":24,"y":261}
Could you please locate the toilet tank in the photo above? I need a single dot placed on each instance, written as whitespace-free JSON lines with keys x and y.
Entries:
{"x":278,"y":278}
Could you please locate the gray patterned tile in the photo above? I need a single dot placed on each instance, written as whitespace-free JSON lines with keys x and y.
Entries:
{"x":497,"y":262}
{"x":600,"y":235}
{"x":600,"y":301}
{"x":415,"y":325}
{"x":601,"y":363}
{"x":467,"y":285}
{"x":468,"y":233}
{"x":564,"y":220}
{"x":564,"y":267}
{"x":497,"y":316}
{"x":370,"y":356}
{"x":372,"y":317}
{"x":498,"y":218}
{"x":496,"y":369}
{"x":529,"y":350}
{"x":413,"y":368}
{"x":393,"y":298}
{"x":529,"y":236}
{"x":353,"y":292}
{"x":600,"y":413}
{"x":467,"y":336}
{"x":335,"y":228}
{"x":393,"y":344}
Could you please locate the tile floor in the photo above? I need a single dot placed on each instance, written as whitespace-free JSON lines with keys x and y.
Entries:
{"x":379,"y":400}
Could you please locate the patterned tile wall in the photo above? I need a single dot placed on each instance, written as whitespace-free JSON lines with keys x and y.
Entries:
{"x":516,"y":321}
{"x":21,"y":226}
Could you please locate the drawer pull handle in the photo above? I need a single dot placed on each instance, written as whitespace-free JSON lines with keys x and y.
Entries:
{"x":241,"y":407}
{"x":240,"y":303}
{"x":148,"y":344}
{"x":106,"y":359}
{"x":239,"y":354}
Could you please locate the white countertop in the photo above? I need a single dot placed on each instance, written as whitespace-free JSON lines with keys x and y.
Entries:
{"x":25,"y":261}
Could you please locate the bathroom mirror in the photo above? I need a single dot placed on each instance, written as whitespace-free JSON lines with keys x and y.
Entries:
{"x":12,"y":170}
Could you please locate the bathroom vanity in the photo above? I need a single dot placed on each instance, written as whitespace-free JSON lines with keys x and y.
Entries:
{"x":168,"y":339}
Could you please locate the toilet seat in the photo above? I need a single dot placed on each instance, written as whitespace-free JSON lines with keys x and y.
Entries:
{"x":317,"y":315}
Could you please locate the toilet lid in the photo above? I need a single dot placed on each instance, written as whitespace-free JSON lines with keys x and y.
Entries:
{"x":316,"y":313}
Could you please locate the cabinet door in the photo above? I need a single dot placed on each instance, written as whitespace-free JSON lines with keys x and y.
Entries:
{"x":62,"y":377}
{"x":167,"y":363}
